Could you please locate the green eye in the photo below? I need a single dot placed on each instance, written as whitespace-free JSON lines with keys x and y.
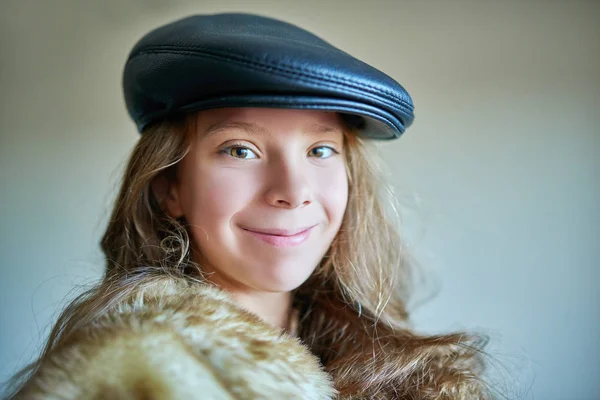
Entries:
{"x":322,"y":152}
{"x":240,"y":152}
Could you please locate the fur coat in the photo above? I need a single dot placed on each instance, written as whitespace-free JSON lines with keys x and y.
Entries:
{"x":174,"y":341}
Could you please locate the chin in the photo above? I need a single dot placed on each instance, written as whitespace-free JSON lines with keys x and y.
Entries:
{"x":283,"y":279}
{"x":279,"y":285}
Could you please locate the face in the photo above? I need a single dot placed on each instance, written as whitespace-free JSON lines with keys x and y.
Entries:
{"x":263,"y":192}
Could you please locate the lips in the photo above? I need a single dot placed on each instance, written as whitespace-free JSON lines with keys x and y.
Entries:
{"x":281,"y":237}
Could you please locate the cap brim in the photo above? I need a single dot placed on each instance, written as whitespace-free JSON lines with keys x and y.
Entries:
{"x":375,"y":124}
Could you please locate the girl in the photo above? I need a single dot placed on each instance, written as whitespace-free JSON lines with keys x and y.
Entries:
{"x":248,"y":254}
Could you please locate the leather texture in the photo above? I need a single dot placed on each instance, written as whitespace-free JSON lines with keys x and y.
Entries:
{"x":245,"y":60}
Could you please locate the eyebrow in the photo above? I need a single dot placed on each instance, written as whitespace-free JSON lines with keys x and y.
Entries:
{"x":319,"y":128}
{"x":255,"y":129}
{"x":227,"y":126}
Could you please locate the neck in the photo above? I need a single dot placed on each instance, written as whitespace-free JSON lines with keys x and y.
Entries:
{"x":273,"y":308}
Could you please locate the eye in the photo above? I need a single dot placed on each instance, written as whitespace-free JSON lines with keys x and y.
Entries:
{"x":322,"y":152}
{"x":239,"y":152}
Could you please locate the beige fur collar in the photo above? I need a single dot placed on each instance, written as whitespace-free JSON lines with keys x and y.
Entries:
{"x":173,"y":340}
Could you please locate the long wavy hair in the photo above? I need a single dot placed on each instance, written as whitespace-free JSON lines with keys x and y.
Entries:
{"x":352,"y":310}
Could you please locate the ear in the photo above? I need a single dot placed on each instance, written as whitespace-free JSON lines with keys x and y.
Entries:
{"x":166,"y":192}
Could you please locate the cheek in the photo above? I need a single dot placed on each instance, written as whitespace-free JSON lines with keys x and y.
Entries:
{"x":333,"y":192}
{"x":215,"y":195}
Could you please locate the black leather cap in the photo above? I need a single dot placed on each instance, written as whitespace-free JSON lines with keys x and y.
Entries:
{"x":243,"y":60}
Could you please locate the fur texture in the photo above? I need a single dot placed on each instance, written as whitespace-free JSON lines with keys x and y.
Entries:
{"x":176,"y":340}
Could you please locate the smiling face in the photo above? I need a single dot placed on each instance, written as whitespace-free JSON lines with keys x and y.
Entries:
{"x":263,"y":192}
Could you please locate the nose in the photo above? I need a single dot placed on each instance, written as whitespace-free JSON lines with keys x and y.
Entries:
{"x":288,"y":185}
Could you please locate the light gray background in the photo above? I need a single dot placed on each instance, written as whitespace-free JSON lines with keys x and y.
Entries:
{"x":500,"y":174}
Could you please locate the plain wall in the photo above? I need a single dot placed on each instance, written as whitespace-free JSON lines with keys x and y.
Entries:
{"x":499,"y":175}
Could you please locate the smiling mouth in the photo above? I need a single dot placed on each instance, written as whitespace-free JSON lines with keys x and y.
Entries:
{"x":281,"y":237}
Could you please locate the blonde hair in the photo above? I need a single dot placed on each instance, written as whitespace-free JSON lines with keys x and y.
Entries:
{"x":352,"y":310}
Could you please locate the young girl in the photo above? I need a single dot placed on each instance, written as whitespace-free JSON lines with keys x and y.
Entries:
{"x":249,"y":254}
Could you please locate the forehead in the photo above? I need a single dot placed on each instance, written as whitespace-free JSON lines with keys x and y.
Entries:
{"x":268,"y":121}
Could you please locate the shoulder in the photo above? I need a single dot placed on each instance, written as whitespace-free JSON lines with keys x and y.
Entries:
{"x":175,"y":339}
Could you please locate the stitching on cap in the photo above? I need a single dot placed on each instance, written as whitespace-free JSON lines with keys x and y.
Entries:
{"x":316,"y":106}
{"x":300,"y":75}
{"x":281,"y":67}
